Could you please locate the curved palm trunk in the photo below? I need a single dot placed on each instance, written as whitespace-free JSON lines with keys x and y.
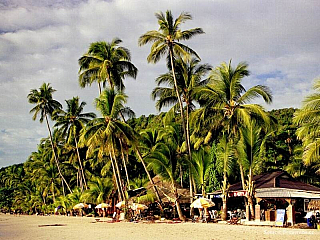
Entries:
{"x":99,"y":87}
{"x":124,"y":164}
{"x":186,"y":135}
{"x":115,"y":176}
{"x":149,"y":176}
{"x":80,"y":163}
{"x":180,"y":213}
{"x":243,"y":182}
{"x":52,"y":189}
{"x":55,"y":157}
{"x":118,"y":172}
{"x":190,"y":158}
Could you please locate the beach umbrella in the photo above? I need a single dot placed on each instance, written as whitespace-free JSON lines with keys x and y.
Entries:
{"x":120,"y":204}
{"x":123,"y":204}
{"x":202,"y":203}
{"x":309,"y":215}
{"x":80,"y":206}
{"x":103,"y":205}
{"x":138,"y":206}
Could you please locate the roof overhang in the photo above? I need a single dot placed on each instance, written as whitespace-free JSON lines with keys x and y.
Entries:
{"x":285,"y":193}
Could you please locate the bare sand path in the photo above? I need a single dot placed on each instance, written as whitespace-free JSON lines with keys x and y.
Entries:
{"x":61,"y":227}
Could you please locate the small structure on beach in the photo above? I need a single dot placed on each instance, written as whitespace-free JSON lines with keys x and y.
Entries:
{"x":278,"y":190}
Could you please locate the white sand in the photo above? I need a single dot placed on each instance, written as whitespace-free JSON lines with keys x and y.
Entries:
{"x":29,"y":227}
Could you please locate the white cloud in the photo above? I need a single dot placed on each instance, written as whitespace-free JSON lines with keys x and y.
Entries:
{"x":41,"y":41}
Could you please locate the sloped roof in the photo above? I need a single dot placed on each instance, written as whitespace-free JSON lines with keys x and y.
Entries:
{"x":165,"y":188}
{"x":278,"y":179}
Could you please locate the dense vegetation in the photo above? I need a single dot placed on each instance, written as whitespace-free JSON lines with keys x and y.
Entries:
{"x":212,"y":136}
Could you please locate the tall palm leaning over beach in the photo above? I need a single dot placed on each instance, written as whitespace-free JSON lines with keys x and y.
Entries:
{"x":45,"y":105}
{"x":166,"y":41}
{"x":71,"y":122}
{"x":106,"y":63}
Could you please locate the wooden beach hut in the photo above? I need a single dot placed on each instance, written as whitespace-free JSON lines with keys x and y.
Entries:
{"x":276,"y":190}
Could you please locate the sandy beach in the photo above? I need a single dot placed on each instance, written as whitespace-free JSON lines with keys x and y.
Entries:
{"x":61,"y":227}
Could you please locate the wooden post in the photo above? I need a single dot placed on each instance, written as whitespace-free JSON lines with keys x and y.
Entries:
{"x":257,"y":212}
{"x":248,"y":213}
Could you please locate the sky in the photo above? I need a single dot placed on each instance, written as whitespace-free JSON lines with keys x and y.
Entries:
{"x":41,"y":41}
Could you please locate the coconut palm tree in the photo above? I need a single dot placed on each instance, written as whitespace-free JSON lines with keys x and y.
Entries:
{"x":201,"y":166}
{"x":189,"y":75}
{"x":225,"y":165}
{"x":251,"y":148}
{"x":308,"y":118}
{"x":225,"y":102}
{"x":164,"y":160}
{"x":106,"y":62}
{"x":99,"y":190}
{"x":104,"y":133}
{"x":45,"y":105}
{"x":71,"y":122}
{"x":166,"y":41}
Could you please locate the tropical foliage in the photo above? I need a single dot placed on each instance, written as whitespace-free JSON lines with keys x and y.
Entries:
{"x":212,"y":136}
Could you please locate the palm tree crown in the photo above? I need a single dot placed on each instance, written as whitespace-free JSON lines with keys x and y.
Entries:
{"x":308,"y":118}
{"x":106,"y":62}
{"x":226,"y":97}
{"x":42,"y":98}
{"x":169,"y":36}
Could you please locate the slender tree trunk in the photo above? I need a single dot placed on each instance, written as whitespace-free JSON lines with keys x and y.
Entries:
{"x":55,"y":157}
{"x":181,"y":113}
{"x":243,"y":183}
{"x":224,"y":197}
{"x":181,"y":176}
{"x":80,"y":163}
{"x":189,"y":152}
{"x":99,"y":86}
{"x":115,"y":176}
{"x":250,"y":193}
{"x":118,"y":172}
{"x":180,"y":213}
{"x":52,"y":189}
{"x":124,"y":164}
{"x":149,"y":176}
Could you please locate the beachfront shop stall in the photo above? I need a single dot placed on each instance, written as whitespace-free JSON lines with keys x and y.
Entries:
{"x":275,"y":191}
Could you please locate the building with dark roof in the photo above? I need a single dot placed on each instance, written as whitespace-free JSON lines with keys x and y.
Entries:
{"x":276,"y":190}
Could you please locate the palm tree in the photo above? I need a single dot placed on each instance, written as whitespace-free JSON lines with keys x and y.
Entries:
{"x":164,"y":163}
{"x":224,"y":163}
{"x":106,"y":62}
{"x":225,"y":103}
{"x":104,"y":133}
{"x":189,"y":75}
{"x":71,"y":122}
{"x":166,"y":41}
{"x":308,"y":118}
{"x":164,"y":159}
{"x":225,"y":99}
{"x":99,"y":190}
{"x":45,"y":105}
{"x":251,"y":149}
{"x":201,"y":166}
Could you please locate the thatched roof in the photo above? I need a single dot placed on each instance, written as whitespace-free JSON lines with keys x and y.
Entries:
{"x":165,"y":190}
